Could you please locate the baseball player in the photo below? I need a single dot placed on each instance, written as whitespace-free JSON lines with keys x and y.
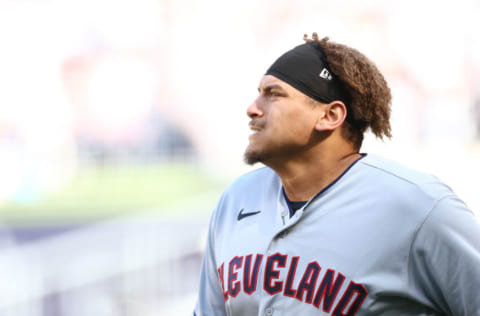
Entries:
{"x":324,"y":229}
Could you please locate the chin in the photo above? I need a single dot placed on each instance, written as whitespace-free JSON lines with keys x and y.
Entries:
{"x":252,"y":156}
{"x":251,"y":159}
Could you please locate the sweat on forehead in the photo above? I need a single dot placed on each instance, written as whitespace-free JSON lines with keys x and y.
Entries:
{"x":306,"y":69}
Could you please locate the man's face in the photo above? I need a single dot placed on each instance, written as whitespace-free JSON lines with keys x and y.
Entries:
{"x":282,"y":122}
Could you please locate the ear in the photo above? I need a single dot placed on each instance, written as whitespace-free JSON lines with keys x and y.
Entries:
{"x":332,"y":117}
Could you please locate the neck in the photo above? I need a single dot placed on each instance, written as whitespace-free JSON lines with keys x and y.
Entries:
{"x":307,"y":174}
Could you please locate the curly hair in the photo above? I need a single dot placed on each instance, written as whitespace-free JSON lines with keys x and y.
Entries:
{"x":368,"y":93}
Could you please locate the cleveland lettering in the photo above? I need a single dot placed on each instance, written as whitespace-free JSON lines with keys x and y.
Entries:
{"x":314,"y":285}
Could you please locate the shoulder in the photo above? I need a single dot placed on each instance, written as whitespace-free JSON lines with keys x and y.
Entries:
{"x":248,"y":191}
{"x":389,"y":174}
{"x":253,"y":181}
{"x":445,"y":255}
{"x":421,"y":193}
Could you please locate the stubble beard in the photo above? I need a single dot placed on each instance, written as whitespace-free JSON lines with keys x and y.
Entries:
{"x":268,"y":154}
{"x":251,"y":157}
{"x":255,"y":153}
{"x":263,"y":154}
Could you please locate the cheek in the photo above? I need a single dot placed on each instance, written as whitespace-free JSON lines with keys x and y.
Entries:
{"x":299,"y":133}
{"x":299,"y":126}
{"x":291,"y":123}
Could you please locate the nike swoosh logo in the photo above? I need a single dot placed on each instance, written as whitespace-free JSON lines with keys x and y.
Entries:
{"x":242,"y":215}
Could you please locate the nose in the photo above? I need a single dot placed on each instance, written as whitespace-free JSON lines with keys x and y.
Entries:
{"x":253,"y":111}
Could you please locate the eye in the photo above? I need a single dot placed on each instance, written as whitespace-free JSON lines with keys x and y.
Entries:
{"x":275,"y":94}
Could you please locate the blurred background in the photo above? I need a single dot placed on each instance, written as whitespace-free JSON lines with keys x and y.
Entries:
{"x":121,"y":122}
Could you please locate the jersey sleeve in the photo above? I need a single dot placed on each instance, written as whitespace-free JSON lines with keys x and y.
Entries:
{"x":445,"y":258}
{"x":210,"y":300}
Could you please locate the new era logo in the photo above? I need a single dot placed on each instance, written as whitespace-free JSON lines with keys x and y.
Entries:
{"x":325,"y":74}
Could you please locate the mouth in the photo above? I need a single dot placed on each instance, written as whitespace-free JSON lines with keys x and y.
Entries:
{"x":254,"y":130}
{"x":253,"y":134}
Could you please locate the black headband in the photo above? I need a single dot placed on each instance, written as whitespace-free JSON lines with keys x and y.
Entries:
{"x":305,"y":68}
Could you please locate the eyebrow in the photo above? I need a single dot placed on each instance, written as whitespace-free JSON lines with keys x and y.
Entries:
{"x":269,"y":88}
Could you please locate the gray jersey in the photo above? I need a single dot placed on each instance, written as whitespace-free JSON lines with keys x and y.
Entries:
{"x":380,"y":240}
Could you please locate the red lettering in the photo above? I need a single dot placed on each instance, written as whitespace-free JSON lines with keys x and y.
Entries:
{"x":272,"y":274}
{"x":307,"y":283}
{"x":220,"y":274}
{"x":233,"y":284}
{"x":328,"y":290}
{"x":250,"y":278}
{"x":289,"y":291}
{"x":358,"y":293}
